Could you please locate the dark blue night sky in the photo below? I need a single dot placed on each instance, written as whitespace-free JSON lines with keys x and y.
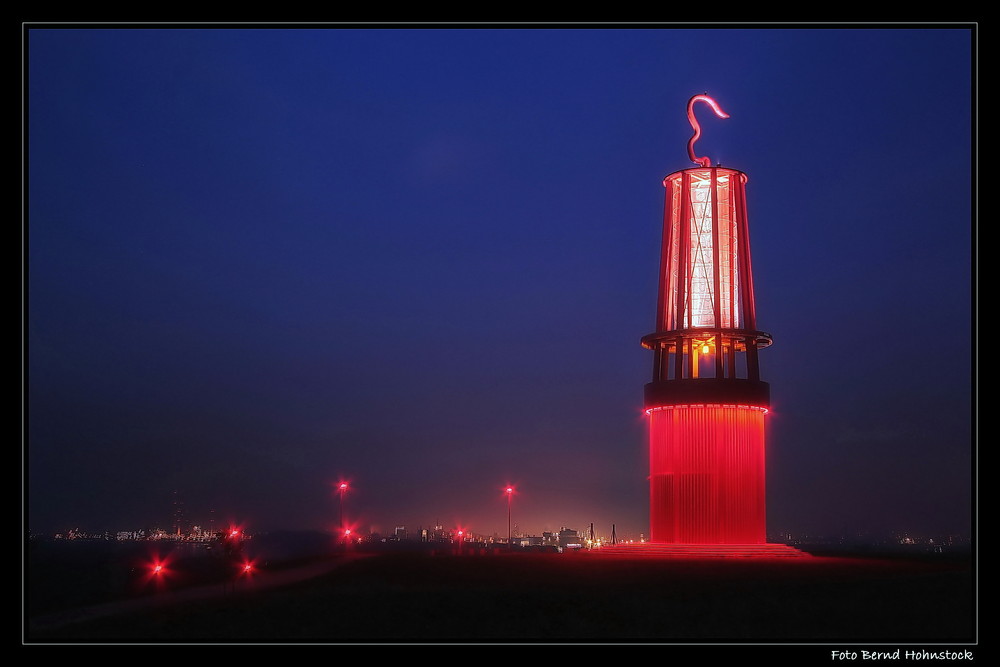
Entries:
{"x":260,"y":261}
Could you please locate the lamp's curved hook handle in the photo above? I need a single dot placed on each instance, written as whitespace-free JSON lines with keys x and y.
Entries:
{"x":703,"y":161}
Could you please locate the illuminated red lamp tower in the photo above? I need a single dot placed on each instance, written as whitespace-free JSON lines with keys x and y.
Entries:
{"x":706,"y":403}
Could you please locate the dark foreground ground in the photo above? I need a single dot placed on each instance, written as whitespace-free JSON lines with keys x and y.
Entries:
{"x":562,"y":597}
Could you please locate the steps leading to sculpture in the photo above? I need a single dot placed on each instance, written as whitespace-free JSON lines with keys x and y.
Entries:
{"x":703,"y":550}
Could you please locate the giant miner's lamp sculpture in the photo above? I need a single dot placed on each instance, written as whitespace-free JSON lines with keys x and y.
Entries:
{"x":706,"y":402}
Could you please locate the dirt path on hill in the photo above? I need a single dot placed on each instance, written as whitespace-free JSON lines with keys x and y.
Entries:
{"x":260,"y":580}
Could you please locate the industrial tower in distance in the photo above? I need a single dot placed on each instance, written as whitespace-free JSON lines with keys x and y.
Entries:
{"x":706,"y":402}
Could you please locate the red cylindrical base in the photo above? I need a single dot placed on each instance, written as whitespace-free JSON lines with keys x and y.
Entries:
{"x":706,"y":478}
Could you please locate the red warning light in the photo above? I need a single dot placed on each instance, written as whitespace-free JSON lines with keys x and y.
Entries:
{"x":156,"y":571}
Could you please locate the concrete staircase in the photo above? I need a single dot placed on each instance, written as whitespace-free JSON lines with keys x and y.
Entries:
{"x":662,"y":550}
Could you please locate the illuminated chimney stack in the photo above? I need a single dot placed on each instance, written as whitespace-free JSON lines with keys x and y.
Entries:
{"x":706,"y":402}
